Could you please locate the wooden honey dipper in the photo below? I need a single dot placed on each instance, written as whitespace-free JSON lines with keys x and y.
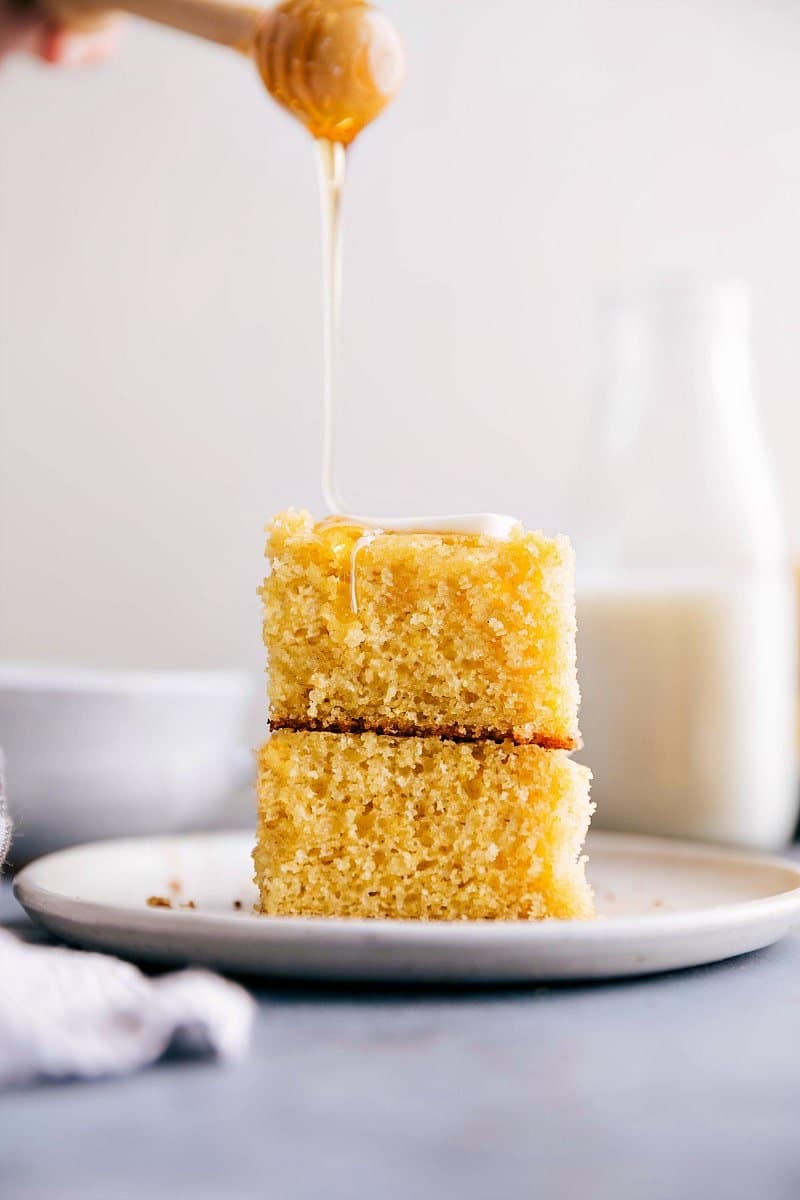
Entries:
{"x":334,"y":64}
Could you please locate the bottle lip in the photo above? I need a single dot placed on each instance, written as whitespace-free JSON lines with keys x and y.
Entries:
{"x":684,"y":290}
{"x":663,"y":310}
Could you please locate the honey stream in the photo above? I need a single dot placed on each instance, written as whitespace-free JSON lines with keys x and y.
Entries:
{"x":331,"y":163}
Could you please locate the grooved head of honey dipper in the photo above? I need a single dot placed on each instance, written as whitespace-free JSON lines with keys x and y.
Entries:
{"x":335,"y":64}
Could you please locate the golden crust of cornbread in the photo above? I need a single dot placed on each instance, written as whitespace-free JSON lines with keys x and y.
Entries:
{"x":458,"y":635}
{"x":364,"y":825}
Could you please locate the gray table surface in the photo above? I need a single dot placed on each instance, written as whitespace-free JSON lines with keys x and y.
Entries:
{"x":678,"y":1086}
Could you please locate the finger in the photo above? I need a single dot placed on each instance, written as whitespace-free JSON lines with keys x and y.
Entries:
{"x":23,"y":33}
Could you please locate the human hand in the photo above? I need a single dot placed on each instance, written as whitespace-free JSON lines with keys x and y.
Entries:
{"x":26,"y":30}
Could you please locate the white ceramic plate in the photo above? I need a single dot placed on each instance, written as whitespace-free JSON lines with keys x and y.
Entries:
{"x":662,"y":904}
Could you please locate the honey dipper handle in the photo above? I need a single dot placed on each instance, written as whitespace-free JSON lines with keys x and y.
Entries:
{"x":228,"y":22}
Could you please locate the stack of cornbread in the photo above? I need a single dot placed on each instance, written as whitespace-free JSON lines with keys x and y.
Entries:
{"x":423,"y":701}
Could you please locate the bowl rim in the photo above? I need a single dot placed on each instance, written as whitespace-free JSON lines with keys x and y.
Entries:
{"x":45,"y":677}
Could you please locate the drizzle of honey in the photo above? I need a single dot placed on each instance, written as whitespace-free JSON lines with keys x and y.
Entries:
{"x":334,"y":64}
{"x":365,"y":540}
{"x":331,"y":164}
{"x":344,"y":541}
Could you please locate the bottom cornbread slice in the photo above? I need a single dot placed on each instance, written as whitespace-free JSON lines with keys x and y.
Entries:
{"x":370,"y":825}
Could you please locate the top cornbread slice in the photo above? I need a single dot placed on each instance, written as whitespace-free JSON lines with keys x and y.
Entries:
{"x":457,"y":635}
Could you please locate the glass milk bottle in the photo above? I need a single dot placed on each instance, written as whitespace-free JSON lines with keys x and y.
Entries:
{"x":686,"y":604}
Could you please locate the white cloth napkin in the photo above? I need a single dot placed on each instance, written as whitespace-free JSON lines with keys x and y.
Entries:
{"x":5,"y":820}
{"x":68,"y":1014}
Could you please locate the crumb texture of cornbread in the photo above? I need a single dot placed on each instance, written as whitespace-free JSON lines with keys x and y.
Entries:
{"x":369,"y":825}
{"x":454,"y":634}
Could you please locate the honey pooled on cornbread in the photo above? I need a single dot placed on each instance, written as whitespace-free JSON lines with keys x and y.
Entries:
{"x":460,"y":635}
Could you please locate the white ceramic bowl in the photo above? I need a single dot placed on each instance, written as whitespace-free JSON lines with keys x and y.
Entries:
{"x":93,"y":754}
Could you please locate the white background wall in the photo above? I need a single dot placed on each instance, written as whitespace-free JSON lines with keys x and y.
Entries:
{"x":159,"y":291}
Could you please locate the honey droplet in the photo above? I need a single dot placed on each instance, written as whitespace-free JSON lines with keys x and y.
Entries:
{"x":334,"y":64}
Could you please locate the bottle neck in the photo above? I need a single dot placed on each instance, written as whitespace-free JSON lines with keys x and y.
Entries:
{"x":676,"y":468}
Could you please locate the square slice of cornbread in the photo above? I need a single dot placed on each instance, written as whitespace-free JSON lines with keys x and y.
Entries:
{"x":370,"y":825}
{"x":461,"y":635}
